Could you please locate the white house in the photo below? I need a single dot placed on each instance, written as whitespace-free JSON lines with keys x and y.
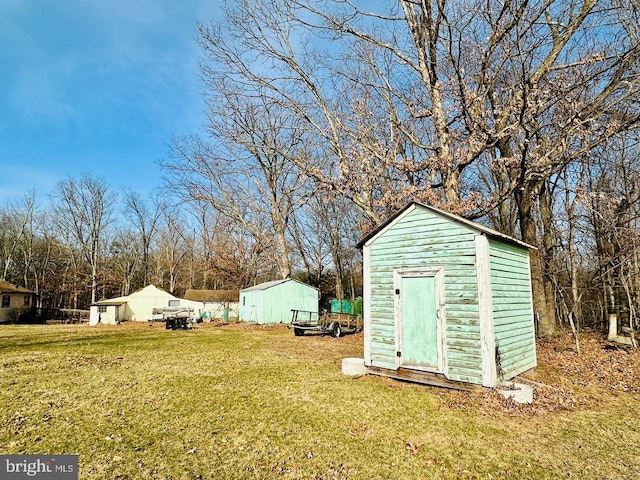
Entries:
{"x":139,"y":306}
{"x":15,"y":301}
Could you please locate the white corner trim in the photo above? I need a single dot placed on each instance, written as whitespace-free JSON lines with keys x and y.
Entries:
{"x":485,"y":311}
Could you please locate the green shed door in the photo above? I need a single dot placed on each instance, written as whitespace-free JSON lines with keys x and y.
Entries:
{"x":419,"y":322}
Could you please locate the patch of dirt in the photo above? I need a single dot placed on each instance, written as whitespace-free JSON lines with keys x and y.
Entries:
{"x":564,"y":379}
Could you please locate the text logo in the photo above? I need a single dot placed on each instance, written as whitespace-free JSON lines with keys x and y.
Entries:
{"x":39,"y":467}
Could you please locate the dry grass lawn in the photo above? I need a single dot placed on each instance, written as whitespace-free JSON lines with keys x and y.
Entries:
{"x":246,"y":402}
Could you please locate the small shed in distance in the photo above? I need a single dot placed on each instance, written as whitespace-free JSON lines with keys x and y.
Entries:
{"x":220,"y":304}
{"x":272,"y":302}
{"x":446,"y":300}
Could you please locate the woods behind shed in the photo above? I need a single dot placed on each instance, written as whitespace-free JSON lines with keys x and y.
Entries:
{"x":446,"y":298}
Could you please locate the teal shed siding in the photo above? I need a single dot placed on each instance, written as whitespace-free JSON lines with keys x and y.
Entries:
{"x":512,"y":309}
{"x":272,"y":302}
{"x":439,"y":243}
{"x":250,"y":306}
{"x":487,"y":314}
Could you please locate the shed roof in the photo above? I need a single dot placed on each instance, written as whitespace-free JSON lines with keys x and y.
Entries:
{"x":112,"y":301}
{"x":273,"y":283}
{"x":143,"y":292}
{"x":449,"y":216}
{"x":6,"y":287}
{"x":212,"y":295}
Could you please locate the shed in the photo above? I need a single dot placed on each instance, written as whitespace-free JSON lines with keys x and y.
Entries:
{"x":446,"y":300}
{"x":272,"y":302}
{"x":138,"y":306}
{"x":222,"y":304}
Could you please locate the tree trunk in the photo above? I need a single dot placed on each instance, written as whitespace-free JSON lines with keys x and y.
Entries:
{"x":543,"y":306}
{"x":284,"y":265}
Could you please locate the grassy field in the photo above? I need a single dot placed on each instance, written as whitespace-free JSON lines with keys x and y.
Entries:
{"x":240,"y":402}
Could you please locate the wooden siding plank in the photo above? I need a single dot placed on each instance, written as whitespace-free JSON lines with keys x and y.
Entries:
{"x":519,"y":351}
{"x":520,"y":364}
{"x":523,"y":362}
{"x":507,"y":321}
{"x":511,"y":331}
{"x":466,"y":378}
{"x":503,"y":308}
{"x":515,"y":344}
{"x":518,"y":283}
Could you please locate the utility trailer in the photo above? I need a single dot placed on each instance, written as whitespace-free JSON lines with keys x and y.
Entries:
{"x":326,"y":323}
{"x":176,"y":318}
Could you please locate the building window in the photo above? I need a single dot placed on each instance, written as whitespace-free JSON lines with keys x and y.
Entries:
{"x":102,"y":309}
{"x":174,"y":303}
{"x":27,"y":300}
{"x":5,"y":301}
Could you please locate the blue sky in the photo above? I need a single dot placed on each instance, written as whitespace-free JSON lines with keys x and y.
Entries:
{"x":97,"y":87}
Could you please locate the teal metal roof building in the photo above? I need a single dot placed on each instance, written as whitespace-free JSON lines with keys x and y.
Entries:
{"x":446,"y":300}
{"x":272,"y":302}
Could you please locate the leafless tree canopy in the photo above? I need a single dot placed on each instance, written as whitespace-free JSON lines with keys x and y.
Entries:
{"x":325,"y":117}
{"x":475,"y":106}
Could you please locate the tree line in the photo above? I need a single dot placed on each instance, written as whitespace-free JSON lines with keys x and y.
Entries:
{"x":89,"y":242}
{"x":325,"y":117}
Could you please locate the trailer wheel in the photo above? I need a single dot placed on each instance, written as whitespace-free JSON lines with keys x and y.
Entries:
{"x":298,"y":332}
{"x":337,"y":330}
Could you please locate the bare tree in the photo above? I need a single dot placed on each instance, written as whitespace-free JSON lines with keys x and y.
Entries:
{"x":173,"y":247}
{"x":524,"y":88}
{"x":245,"y":174}
{"x":47,"y":266}
{"x":612,"y":200}
{"x":126,"y":250}
{"x":83,"y":209}
{"x":16,"y":220}
{"x":144,"y":216}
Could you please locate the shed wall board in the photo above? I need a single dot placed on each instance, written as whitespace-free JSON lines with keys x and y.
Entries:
{"x":110,"y":316}
{"x":251,"y":306}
